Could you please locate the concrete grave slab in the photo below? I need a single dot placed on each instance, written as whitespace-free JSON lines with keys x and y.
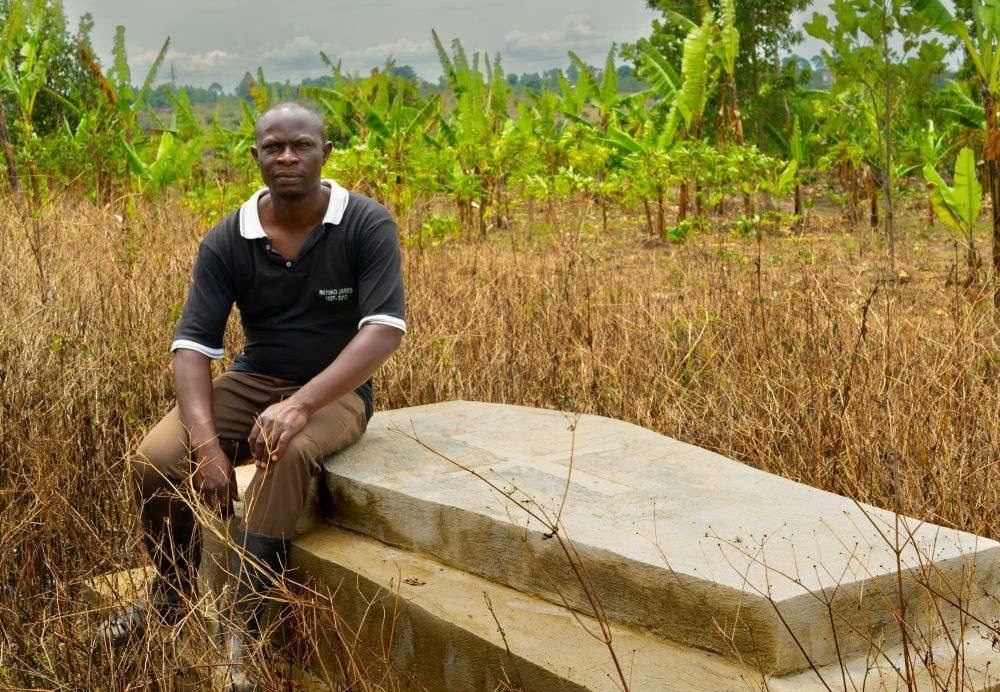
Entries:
{"x":442,"y":627}
{"x":451,"y":630}
{"x":678,"y":542}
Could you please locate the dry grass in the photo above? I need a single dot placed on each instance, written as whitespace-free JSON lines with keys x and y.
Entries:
{"x":792,"y":355}
{"x":810,"y":366}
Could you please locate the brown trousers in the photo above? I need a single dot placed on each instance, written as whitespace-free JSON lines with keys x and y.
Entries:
{"x":162,"y":464}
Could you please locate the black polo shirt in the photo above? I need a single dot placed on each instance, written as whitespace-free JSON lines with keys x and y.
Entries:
{"x":297,"y":315}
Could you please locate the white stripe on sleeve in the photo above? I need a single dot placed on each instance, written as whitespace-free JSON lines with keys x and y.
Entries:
{"x":387,"y":320}
{"x":213,"y":353}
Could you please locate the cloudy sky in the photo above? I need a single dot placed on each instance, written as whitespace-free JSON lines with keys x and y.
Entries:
{"x":219,"y":40}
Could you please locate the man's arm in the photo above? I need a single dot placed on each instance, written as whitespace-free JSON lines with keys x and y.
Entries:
{"x":363,"y":355}
{"x":193,"y":381}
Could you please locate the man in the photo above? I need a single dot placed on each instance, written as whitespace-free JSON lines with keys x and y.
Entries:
{"x":315,"y":273}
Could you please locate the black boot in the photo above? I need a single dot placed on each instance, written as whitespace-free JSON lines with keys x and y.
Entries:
{"x":257,"y":566}
{"x":175,"y":550}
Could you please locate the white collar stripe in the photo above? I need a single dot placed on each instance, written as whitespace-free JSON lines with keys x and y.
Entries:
{"x":249,"y":218}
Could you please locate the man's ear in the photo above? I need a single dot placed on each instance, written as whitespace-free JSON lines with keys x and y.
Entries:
{"x":327,"y":148}
{"x":254,"y":152}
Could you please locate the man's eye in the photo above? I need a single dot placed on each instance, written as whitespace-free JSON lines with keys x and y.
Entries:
{"x":303,"y":145}
{"x":271,"y":148}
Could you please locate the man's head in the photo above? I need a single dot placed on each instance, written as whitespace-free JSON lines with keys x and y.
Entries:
{"x":290,"y":149}
{"x":284,"y":110}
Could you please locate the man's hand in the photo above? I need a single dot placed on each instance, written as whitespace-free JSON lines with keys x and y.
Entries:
{"x":362,"y":356}
{"x":274,"y":429}
{"x":211,"y":478}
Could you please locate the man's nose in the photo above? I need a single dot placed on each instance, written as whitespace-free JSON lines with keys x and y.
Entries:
{"x":287,"y":155}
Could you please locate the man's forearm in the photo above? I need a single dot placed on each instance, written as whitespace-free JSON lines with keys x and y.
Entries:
{"x":359,"y":360}
{"x":193,"y":381}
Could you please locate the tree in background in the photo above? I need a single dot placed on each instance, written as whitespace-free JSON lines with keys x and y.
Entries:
{"x":766,"y":31}
{"x":46,"y":84}
{"x":874,"y":83}
{"x":981,"y":41}
{"x":67,"y":78}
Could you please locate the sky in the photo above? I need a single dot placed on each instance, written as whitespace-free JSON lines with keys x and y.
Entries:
{"x":220,"y":40}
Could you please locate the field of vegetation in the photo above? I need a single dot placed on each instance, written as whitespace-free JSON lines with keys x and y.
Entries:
{"x":815,"y":297}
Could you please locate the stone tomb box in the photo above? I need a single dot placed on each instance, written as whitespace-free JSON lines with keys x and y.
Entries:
{"x":676,"y":542}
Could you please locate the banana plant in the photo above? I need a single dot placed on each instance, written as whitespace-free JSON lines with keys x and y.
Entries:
{"x":932,"y":147}
{"x":127,"y":103}
{"x":687,"y":93}
{"x":958,"y":205}
{"x":609,"y":104}
{"x":964,"y":110}
{"x":386,"y":116}
{"x":848,"y":128}
{"x":573,"y":98}
{"x":650,"y":166}
{"x":177,"y":151}
{"x":982,"y":45}
{"x":26,"y":52}
{"x":699,"y":74}
{"x":539,"y":119}
{"x":477,"y":130}
{"x":796,"y":148}
{"x":726,"y":48}
{"x":610,"y":107}
{"x":645,"y":146}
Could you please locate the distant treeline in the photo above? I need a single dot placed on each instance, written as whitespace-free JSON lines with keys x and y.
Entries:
{"x":524,"y":83}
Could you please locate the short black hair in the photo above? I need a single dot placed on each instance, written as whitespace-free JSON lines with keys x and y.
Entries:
{"x":292,"y":105}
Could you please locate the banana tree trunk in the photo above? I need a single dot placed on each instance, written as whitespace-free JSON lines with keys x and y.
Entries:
{"x":649,"y":217}
{"x":992,"y":159}
{"x":851,"y":185}
{"x":798,"y":206}
{"x":736,"y":117}
{"x":930,"y":207}
{"x":873,"y":206}
{"x":8,"y":150}
{"x":661,"y":222}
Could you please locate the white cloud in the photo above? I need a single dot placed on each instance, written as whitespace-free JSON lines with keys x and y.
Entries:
{"x":403,"y":49}
{"x":300,"y":50}
{"x":186,"y":65}
{"x":577,"y":34}
{"x":212,"y":58}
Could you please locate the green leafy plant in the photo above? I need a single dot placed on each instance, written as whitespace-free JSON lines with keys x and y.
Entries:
{"x":958,"y":205}
{"x":28,"y":45}
{"x":982,"y":46}
{"x":797,"y":149}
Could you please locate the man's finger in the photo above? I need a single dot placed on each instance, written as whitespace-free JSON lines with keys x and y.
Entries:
{"x":257,"y":445}
{"x":279,"y":448}
{"x":260,"y":450}
{"x":254,"y":431}
{"x":256,"y":439}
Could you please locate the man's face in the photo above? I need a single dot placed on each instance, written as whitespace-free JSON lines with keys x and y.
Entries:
{"x":290,"y":152}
